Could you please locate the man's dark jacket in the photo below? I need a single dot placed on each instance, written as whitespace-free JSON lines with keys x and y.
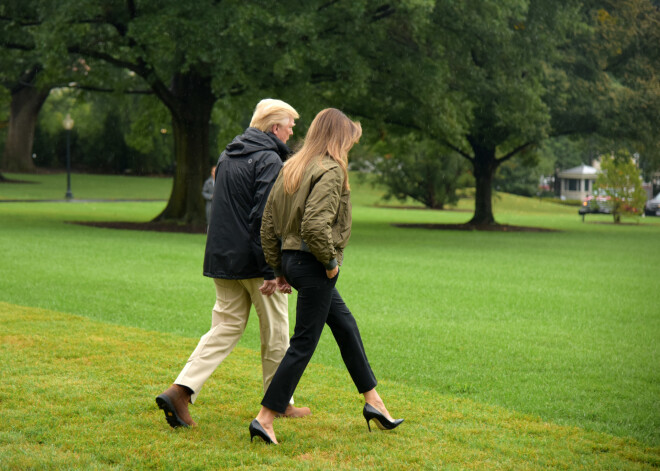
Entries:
{"x":245,"y":173}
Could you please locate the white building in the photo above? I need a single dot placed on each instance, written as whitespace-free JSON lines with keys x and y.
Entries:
{"x":578,"y":182}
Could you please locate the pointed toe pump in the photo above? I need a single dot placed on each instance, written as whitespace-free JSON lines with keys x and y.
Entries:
{"x":257,"y":430}
{"x":383,"y":423}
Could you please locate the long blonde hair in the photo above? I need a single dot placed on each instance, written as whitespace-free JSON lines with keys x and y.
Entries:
{"x":331,"y":133}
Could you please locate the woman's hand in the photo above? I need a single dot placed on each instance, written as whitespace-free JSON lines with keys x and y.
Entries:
{"x":282,"y":285}
{"x":332,"y":273}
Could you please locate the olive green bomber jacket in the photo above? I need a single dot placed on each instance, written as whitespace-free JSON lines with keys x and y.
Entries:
{"x":316,"y":218}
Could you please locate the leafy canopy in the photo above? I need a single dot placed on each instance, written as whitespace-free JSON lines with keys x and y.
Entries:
{"x":620,"y":179}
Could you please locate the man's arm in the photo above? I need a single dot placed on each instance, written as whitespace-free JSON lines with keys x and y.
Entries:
{"x":266,"y":171}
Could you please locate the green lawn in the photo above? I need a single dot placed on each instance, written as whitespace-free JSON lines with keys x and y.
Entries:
{"x":85,"y":186}
{"x":562,"y":327}
{"x":78,"y":394}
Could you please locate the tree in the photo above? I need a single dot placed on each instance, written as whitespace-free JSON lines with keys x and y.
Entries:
{"x":492,"y":80}
{"x":192,"y":54}
{"x":27,"y":98}
{"x":116,"y":133}
{"x":410,"y":166}
{"x":517,"y":177}
{"x":621,"y":181}
{"x":500,"y":68}
{"x":470,"y":76}
{"x":607,"y":88}
{"x":173,"y":47}
{"x":19,"y":72}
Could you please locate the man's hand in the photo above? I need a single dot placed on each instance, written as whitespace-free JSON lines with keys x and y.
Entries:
{"x":282,"y":285}
{"x":332,"y":273}
{"x":268,"y":287}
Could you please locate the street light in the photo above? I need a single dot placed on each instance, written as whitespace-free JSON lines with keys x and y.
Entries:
{"x":163,"y":132}
{"x":67,"y":122}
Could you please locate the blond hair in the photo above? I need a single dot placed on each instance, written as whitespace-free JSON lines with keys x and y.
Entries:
{"x":331,"y":133}
{"x":270,"y":112}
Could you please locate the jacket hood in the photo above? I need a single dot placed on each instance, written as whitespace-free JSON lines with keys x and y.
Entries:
{"x":254,"y":140}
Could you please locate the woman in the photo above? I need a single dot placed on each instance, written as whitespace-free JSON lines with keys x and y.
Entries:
{"x":305,"y":227}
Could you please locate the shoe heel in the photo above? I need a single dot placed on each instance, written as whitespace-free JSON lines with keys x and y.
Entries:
{"x":370,"y":412}
{"x":257,"y":430}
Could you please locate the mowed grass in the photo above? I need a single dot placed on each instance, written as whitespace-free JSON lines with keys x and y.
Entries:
{"x":563,"y":326}
{"x":78,"y":394}
{"x":84,"y":186}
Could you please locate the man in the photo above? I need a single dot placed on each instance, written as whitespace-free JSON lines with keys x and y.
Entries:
{"x":207,"y":193}
{"x":244,"y":175}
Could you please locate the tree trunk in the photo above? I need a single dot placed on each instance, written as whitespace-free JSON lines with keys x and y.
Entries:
{"x":484,"y":166}
{"x":26,"y":101}
{"x":191,"y":115}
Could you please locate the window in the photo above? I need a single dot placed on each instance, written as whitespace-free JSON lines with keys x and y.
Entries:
{"x":573,"y":185}
{"x":586,"y":185}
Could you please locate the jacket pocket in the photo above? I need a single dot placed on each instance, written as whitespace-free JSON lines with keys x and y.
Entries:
{"x":341,"y":229}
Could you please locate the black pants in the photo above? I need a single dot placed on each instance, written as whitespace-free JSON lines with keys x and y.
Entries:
{"x":319,"y":303}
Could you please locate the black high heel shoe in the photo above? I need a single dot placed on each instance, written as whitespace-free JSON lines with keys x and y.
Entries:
{"x":258,"y":430}
{"x":370,"y":412}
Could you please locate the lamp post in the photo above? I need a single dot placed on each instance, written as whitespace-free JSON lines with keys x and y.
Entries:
{"x":163,"y":132}
{"x":67,"y":122}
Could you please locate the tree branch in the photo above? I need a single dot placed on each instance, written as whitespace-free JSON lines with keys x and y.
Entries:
{"x":326,"y":5}
{"x":20,"y":22}
{"x":132,"y":9}
{"x":75,"y":49}
{"x":514,"y":152}
{"x":92,"y":88}
{"x":458,"y":150}
{"x":17,"y":46}
{"x":141,"y":68}
{"x":383,"y":12}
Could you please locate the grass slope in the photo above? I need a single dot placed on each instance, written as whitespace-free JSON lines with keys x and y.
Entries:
{"x":562,"y":325}
{"x":78,"y":394}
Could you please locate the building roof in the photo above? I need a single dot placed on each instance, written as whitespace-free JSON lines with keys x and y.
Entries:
{"x":579,"y":172}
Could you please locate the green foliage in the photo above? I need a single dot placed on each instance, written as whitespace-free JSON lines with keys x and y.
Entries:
{"x":107,"y":135}
{"x":607,"y":82}
{"x":418,"y":168}
{"x":620,"y":179}
{"x":562,"y":153}
{"x":517,"y":178}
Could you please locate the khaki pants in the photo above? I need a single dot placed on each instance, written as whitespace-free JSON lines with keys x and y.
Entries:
{"x":230,"y":315}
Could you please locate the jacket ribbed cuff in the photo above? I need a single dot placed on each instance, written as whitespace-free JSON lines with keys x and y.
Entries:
{"x":331,"y":264}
